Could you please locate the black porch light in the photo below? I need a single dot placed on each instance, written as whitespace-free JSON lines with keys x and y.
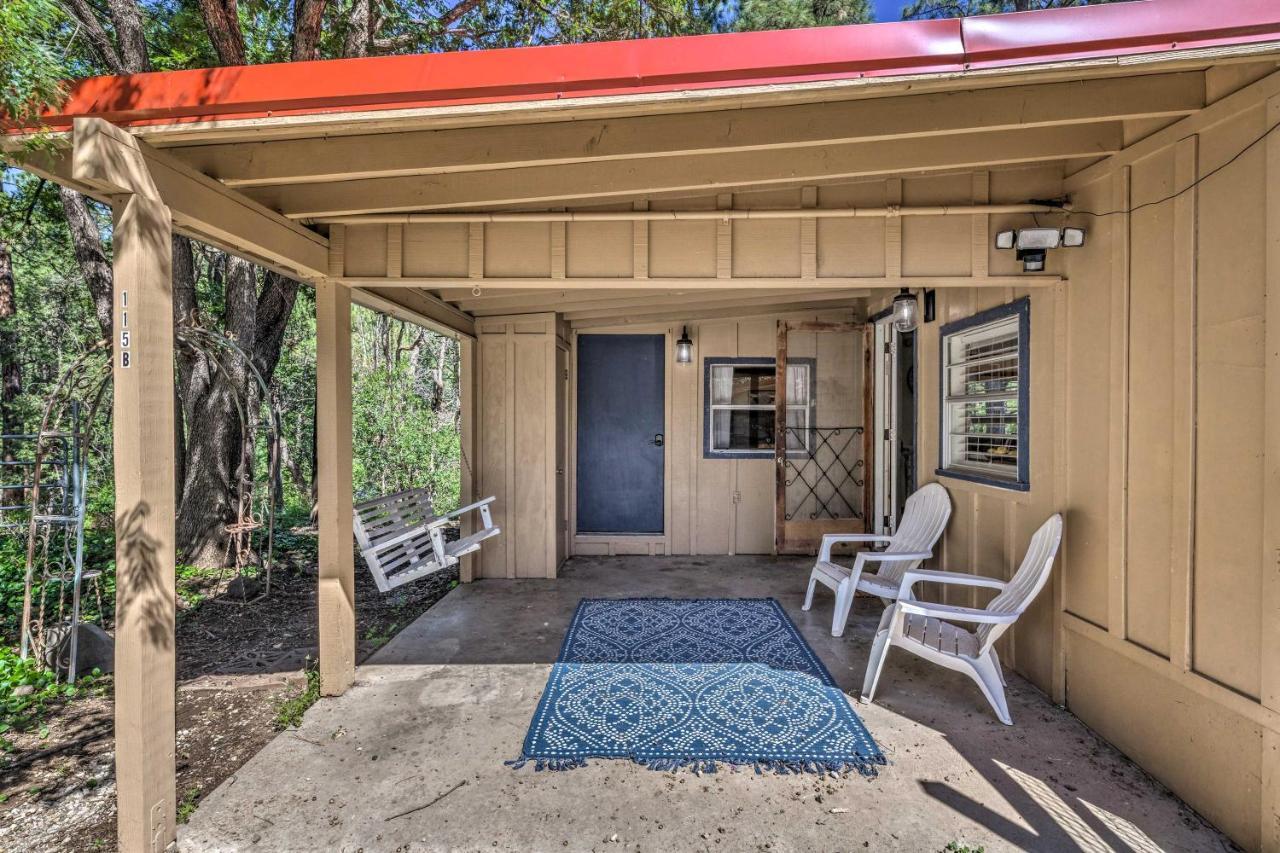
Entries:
{"x":906,"y":311}
{"x":684,"y":347}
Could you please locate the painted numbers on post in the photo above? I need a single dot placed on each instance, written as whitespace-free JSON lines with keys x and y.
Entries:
{"x":126,"y":357}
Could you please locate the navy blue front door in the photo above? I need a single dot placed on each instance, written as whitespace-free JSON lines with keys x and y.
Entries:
{"x":620,"y":424}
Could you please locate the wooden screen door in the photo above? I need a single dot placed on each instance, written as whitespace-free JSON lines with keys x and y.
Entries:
{"x":819,"y":436}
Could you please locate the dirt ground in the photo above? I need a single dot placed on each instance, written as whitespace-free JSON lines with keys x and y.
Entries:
{"x":237,"y":663}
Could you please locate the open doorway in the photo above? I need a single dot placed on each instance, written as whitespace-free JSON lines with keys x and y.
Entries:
{"x":893,"y":440}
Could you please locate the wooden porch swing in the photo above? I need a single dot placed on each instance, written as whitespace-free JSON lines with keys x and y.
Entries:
{"x":402,"y":539}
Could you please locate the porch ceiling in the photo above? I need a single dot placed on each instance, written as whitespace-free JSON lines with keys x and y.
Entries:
{"x":265,"y":161}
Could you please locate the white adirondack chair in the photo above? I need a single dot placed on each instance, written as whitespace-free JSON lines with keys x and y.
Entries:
{"x":926,"y":629}
{"x":923,"y":519}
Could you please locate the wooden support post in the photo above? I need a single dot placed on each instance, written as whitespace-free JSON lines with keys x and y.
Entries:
{"x":142,"y":373}
{"x":467,"y":477}
{"x":333,"y":462}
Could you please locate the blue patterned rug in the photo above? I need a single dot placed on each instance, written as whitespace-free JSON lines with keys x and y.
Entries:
{"x":671,"y":683}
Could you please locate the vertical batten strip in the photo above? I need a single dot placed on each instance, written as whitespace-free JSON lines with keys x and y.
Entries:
{"x":981,"y":225}
{"x":475,"y":250}
{"x":640,"y":244}
{"x":724,"y":238}
{"x":558,"y":238}
{"x":337,"y":251}
{"x":1118,"y":463}
{"x":395,"y":250}
{"x":893,"y":230}
{"x":1183,"y":505}
{"x":809,"y":235}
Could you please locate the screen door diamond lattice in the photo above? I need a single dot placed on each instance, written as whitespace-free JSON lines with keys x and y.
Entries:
{"x":819,"y":445}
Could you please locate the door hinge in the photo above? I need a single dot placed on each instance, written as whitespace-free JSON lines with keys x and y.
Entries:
{"x":737,"y":497}
{"x":888,"y":435}
{"x":888,"y":348}
{"x":566,"y":374}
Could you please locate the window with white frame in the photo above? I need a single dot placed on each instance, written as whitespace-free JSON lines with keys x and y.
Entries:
{"x":741,"y":402}
{"x":984,"y":397}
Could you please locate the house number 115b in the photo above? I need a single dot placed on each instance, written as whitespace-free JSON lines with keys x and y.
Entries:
{"x":126,"y":337}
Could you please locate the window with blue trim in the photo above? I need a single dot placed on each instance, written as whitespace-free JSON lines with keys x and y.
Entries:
{"x":740,"y":402}
{"x":984,"y":397}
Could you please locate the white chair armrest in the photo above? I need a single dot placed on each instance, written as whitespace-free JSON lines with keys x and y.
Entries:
{"x":915,"y":576}
{"x":443,"y":519}
{"x":958,"y":614}
{"x":898,"y":557}
{"x":829,"y":539}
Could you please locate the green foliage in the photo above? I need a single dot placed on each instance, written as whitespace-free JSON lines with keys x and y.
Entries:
{"x":405,"y":410}
{"x":928,"y":9}
{"x":27,"y":691}
{"x":957,"y":847}
{"x":187,"y":805}
{"x":789,"y":14}
{"x":31,"y":65}
{"x":290,"y":711}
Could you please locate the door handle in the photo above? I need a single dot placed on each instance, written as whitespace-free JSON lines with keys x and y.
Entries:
{"x":657,"y":440}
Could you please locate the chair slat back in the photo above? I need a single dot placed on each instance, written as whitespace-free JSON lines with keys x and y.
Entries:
{"x":924,"y":518}
{"x":1027,"y":581}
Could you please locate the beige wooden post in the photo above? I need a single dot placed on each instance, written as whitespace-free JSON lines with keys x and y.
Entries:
{"x":466,"y":443}
{"x":144,"y":483}
{"x":333,"y":477}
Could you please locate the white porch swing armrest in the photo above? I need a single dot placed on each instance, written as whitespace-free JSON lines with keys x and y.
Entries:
{"x":957,"y":614}
{"x":915,"y":576}
{"x":462,"y":510}
{"x":830,"y":539}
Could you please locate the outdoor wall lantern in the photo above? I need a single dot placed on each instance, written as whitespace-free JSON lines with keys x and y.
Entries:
{"x":684,"y":347}
{"x":906,"y":311}
{"x":1033,"y":243}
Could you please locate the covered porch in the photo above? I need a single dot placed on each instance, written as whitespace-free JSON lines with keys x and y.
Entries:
{"x":447,"y":701}
{"x":725,"y":192}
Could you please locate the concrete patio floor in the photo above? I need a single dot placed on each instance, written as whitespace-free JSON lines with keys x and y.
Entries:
{"x":440,"y":708}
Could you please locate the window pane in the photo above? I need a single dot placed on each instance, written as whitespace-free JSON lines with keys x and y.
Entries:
{"x":721,"y":384}
{"x":742,"y":429}
{"x":797,"y":383}
{"x":982,"y":435}
{"x":752,"y":385}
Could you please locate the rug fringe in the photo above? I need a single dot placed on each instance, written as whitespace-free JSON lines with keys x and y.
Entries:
{"x":866,"y":767}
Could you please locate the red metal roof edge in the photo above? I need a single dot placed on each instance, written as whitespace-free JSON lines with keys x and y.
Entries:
{"x":670,"y":64}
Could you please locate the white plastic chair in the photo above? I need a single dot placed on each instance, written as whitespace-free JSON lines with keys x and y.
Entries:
{"x":923,"y":519}
{"x":925,"y":629}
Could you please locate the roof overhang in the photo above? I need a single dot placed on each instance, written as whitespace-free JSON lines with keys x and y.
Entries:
{"x":686,"y":67}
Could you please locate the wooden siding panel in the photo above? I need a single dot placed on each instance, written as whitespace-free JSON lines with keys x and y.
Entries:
{"x":1151,"y":344}
{"x":366,"y":250}
{"x":517,"y":249}
{"x":1230,"y":387}
{"x":1089,"y":334}
{"x":436,"y":249}
{"x":600,"y":249}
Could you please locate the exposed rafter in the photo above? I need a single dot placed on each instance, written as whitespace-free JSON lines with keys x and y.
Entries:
{"x":441,"y":152}
{"x":583,"y":182}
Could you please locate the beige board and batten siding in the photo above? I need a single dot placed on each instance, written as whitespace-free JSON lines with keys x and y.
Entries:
{"x":1172,"y":591}
{"x":516,"y":447}
{"x":1155,"y":429}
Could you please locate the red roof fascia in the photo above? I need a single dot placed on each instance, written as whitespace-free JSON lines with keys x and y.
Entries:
{"x":669,"y":64}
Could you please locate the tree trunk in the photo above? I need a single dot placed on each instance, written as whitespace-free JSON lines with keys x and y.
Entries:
{"x":90,"y":255}
{"x":222,"y":21}
{"x":10,"y":372}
